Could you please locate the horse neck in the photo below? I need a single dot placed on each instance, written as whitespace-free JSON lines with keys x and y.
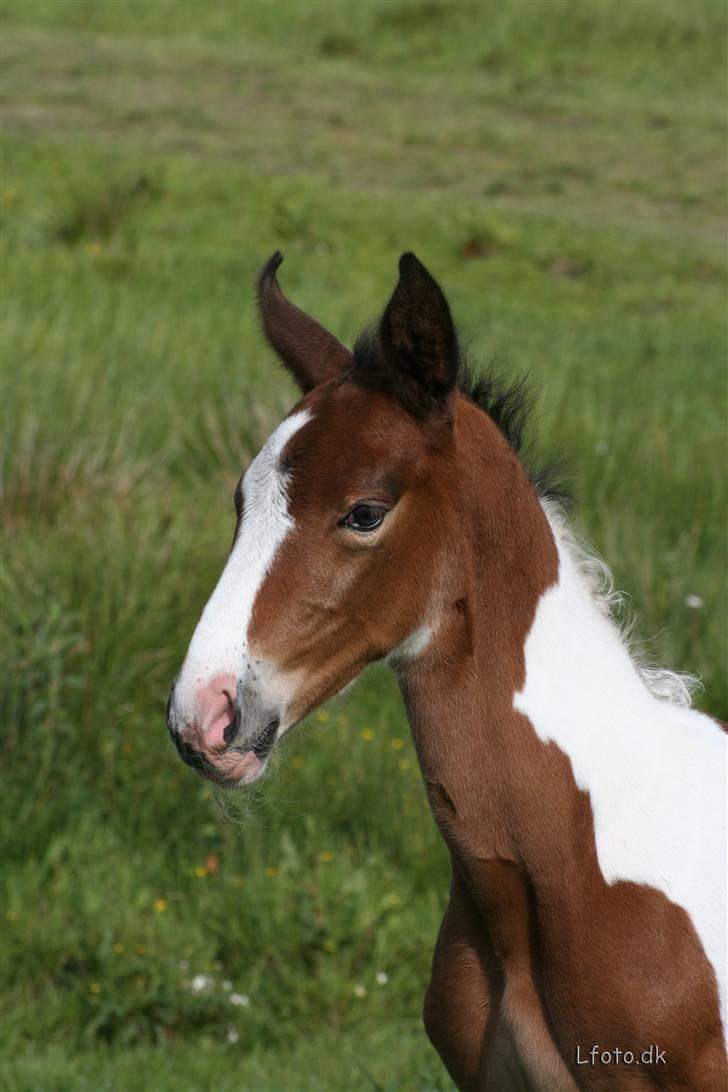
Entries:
{"x":527,"y":645}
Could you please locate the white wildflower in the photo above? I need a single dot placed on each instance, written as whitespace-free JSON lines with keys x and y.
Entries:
{"x":239,"y":999}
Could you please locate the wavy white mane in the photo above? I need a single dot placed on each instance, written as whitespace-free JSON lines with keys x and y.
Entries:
{"x":676,"y":688}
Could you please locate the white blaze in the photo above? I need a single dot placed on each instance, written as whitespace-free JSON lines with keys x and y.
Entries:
{"x":219,"y":643}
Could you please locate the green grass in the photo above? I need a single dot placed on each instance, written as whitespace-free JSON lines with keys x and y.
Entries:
{"x":559,"y":168}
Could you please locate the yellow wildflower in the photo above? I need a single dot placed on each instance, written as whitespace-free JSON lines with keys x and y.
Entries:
{"x":270,"y":872}
{"x":297,"y":762}
{"x":327,"y":855}
{"x":11,"y":915}
{"x":200,"y":872}
{"x":404,"y":763}
{"x":322,"y":717}
{"x":119,"y":947}
{"x":140,"y":949}
{"x":160,"y":905}
{"x":95,"y":987}
{"x":367,"y":734}
{"x":397,"y":744}
{"x":393,"y":900}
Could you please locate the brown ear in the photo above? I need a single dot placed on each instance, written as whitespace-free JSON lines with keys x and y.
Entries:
{"x":311,"y":354}
{"x":415,"y":352}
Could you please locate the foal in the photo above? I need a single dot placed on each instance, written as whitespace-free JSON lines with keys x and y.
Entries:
{"x":582,"y":801}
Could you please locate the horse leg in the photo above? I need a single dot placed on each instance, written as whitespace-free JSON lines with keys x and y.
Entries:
{"x":482,"y":1011}
{"x":459,"y":1001}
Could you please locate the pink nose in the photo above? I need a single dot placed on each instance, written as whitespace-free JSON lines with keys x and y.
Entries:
{"x":216,"y":713}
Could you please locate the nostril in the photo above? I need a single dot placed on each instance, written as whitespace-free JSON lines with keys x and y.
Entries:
{"x":232,"y":728}
{"x":215,"y":714}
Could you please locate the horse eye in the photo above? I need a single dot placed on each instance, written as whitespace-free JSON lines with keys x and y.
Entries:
{"x":364,"y":517}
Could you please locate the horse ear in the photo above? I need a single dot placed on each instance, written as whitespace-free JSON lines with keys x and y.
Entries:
{"x":311,"y":354}
{"x":417,"y":355}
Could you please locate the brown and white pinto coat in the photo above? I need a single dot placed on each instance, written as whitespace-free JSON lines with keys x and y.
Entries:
{"x":389,"y":518}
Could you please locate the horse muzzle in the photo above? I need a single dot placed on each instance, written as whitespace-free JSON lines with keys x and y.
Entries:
{"x":229,"y":733}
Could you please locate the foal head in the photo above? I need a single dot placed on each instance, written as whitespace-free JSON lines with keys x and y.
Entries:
{"x":349,"y":523}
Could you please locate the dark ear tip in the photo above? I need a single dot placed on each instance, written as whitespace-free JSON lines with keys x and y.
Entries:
{"x":269,"y":270}
{"x":409,"y":263}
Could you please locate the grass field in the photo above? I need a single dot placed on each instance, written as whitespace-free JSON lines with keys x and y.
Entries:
{"x":559,"y":167}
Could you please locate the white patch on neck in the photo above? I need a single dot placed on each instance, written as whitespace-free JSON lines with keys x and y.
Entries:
{"x":411,"y":647}
{"x":656,"y":772}
{"x":219,"y":643}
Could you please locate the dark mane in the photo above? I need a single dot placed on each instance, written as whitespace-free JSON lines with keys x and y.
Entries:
{"x":508,"y":403}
